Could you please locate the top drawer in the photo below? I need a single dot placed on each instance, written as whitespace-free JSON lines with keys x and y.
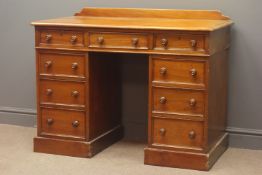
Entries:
{"x":61,"y":38}
{"x":118,"y":40}
{"x":180,"y":42}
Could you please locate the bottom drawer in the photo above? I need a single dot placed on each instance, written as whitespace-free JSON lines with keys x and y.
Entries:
{"x":62,"y":123}
{"x":178,"y":133}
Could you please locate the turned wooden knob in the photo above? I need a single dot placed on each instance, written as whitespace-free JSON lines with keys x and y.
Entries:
{"x":100,"y":40}
{"x":74,"y":66}
{"x":192,"y":135}
{"x":48,"y":64}
{"x":75,"y":124}
{"x":75,"y":94}
{"x":163,"y":100}
{"x":193,"y":43}
{"x":162,"y":131}
{"x":48,"y":38}
{"x":163,"y":70}
{"x":50,"y":121}
{"x":73,"y":39}
{"x":49,"y":92}
{"x":164,"y":42}
{"x":192,"y":102}
{"x":135,"y":42}
{"x":193,"y":72}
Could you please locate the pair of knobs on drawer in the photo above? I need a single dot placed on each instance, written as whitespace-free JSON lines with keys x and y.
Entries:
{"x":193,"y":71}
{"x":49,"y":37}
{"x":134,"y":41}
{"x":191,"y":134}
{"x":192,"y":102}
{"x":75,"y":94}
{"x":164,"y":43}
{"x":50,"y":121}
{"x":48,"y":64}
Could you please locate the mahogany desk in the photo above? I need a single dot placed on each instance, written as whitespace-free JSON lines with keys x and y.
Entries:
{"x":77,"y":82}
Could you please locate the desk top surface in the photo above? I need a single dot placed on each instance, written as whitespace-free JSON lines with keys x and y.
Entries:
{"x":148,"y":19}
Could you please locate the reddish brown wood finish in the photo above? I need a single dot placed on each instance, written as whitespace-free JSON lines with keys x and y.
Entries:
{"x":78,"y":88}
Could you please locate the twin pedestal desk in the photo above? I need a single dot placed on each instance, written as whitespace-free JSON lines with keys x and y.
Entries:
{"x":78,"y":82}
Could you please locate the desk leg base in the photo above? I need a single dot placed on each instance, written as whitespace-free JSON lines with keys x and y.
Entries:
{"x":188,"y":160}
{"x":77,"y":148}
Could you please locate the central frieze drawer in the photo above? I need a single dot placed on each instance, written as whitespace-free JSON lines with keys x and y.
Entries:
{"x":179,"y":133}
{"x":119,"y":40}
{"x":62,"y":92}
{"x":66,"y":123}
{"x":181,"y":101}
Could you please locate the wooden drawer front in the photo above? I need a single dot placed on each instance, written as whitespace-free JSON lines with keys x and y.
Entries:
{"x":118,"y":40}
{"x":61,"y":92}
{"x":178,"y":101}
{"x":62,"y":38}
{"x":62,"y":123}
{"x":55,"y":64}
{"x":179,"y":133}
{"x":179,"y":42}
{"x":179,"y":71}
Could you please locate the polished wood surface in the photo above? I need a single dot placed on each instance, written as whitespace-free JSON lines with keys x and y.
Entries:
{"x":154,"y":19}
{"x":79,"y":89}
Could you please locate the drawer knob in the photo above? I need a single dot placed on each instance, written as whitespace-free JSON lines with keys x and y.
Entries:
{"x":164,"y":42}
{"x":48,"y":38}
{"x":193,"y":72}
{"x":163,"y":100}
{"x":75,"y":94}
{"x":100,"y":40}
{"x":192,"y":102}
{"x":163,"y":70}
{"x":162,"y":131}
{"x":49,"y":92}
{"x":48,"y":64}
{"x":74,"y":66}
{"x":193,"y":43}
{"x":75,"y":124}
{"x":73,"y":39}
{"x":50,"y":121}
{"x":135,"y":42}
{"x":192,"y":135}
